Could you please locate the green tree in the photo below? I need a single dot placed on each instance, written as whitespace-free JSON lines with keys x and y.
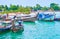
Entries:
{"x":38,"y":7}
{"x":44,"y":8}
{"x":25,"y":10}
{"x":6,"y":7}
{"x":13,"y":7}
{"x":1,"y":7}
{"x":21,"y":9}
{"x":34,"y":8}
{"x":54,"y":6}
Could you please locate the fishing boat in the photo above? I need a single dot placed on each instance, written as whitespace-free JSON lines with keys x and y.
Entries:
{"x":5,"y":25}
{"x":11,"y":25}
{"x":49,"y":17}
{"x":46,"y":16}
{"x":28,"y":17}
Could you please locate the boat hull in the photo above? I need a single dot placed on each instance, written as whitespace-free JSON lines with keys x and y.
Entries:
{"x":49,"y":19}
{"x":46,"y":17}
{"x":5,"y":29}
{"x":17,"y":28}
{"x":30,"y":19}
{"x":57,"y":19}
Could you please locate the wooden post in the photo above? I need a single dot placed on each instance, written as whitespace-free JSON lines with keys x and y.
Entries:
{"x":13,"y":25}
{"x":7,"y":15}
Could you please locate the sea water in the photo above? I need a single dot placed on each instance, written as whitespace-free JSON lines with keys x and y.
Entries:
{"x":35,"y":30}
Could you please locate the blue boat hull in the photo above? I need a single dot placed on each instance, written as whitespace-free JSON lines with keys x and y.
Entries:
{"x":57,"y":19}
{"x":46,"y":17}
{"x":51,"y":18}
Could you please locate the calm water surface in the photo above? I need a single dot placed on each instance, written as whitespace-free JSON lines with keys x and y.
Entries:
{"x":35,"y":30}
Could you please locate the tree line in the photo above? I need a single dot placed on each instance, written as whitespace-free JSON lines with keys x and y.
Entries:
{"x":27,"y":9}
{"x":53,"y":6}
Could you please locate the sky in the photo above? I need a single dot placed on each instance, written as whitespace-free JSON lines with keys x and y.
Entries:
{"x":29,"y":2}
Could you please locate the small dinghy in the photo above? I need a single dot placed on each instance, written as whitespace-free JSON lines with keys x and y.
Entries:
{"x":5,"y":25}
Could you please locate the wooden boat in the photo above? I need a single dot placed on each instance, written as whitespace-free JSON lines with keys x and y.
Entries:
{"x":29,"y":17}
{"x":9,"y":25}
{"x":5,"y":25}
